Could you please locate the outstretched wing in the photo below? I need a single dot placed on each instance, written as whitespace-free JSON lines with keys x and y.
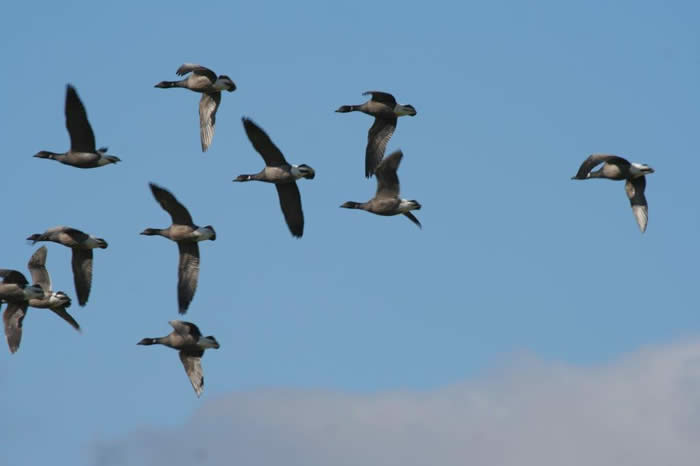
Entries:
{"x":290,"y":201}
{"x":263,"y":144}
{"x":192,"y":361}
{"x":196,"y":69}
{"x":12,"y":318}
{"x":186,"y":329}
{"x":413,"y":218}
{"x":82,"y":273}
{"x":77,"y":236}
{"x":178,"y":213}
{"x":383,"y":97}
{"x":37,"y":269}
{"x":596,"y":159}
{"x":387,"y":179}
{"x":82,"y":139}
{"x":187,"y":274}
{"x":208,"y":105}
{"x":10,"y":276}
{"x":63,"y":314}
{"x":635,"y":192}
{"x":377,"y":139}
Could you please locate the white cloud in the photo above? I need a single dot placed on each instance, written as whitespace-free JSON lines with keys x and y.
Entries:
{"x":643,"y":409}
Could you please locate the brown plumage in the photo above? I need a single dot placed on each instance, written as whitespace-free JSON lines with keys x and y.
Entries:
{"x":82,"y":245}
{"x":618,"y":168}
{"x":186,"y":234}
{"x":205,"y":81}
{"x":278,"y":171}
{"x":83,"y":151}
{"x":187,"y":338}
{"x":383,"y":107}
{"x":386,"y":201}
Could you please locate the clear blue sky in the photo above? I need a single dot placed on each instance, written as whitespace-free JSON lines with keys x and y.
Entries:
{"x":513,"y":256}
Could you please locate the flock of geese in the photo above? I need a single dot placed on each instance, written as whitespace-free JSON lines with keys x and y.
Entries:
{"x":19,"y":294}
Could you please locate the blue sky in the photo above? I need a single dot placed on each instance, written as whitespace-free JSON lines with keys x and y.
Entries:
{"x":514,"y":258}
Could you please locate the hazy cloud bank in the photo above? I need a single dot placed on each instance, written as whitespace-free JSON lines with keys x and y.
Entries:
{"x":643,"y":409}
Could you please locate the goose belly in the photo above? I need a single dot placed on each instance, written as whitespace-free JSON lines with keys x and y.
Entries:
{"x":82,"y":158}
{"x":277,"y":175}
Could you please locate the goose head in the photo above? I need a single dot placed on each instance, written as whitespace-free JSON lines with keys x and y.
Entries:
{"x":35,"y":237}
{"x":147,"y":341}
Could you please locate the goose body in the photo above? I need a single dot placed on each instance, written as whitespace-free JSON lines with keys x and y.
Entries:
{"x":83,"y":152}
{"x":81,"y":245}
{"x":618,"y":168}
{"x":387,"y":201}
{"x":188,"y":340}
{"x":186,"y":234}
{"x":279,"y":172}
{"x":16,"y":292}
{"x":205,"y":81}
{"x":383,"y":107}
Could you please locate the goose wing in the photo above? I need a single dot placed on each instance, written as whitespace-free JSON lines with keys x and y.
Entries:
{"x":377,"y":139}
{"x":635,"y":192}
{"x":82,"y":273}
{"x":63,"y":314}
{"x":186,"y":329}
{"x":192,"y":361}
{"x":263,"y":144}
{"x":592,"y":161}
{"x":290,"y":202}
{"x":387,"y":179}
{"x":196,"y":69}
{"x":82,"y":139}
{"x":13,"y":276}
{"x":413,"y":218}
{"x":12,"y":318}
{"x":383,"y":97}
{"x":187,"y":274}
{"x":208,"y":105}
{"x":37,"y":269}
{"x":178,"y":212}
{"x":73,"y":236}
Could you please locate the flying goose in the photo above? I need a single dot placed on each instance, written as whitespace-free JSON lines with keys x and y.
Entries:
{"x":186,"y":234}
{"x":278,"y":171}
{"x":82,"y":245}
{"x":187,"y":338}
{"x":56,"y":301}
{"x":83,"y":152}
{"x":383,"y":107}
{"x":618,"y":168}
{"x":387,"y":200}
{"x":203,"y":80}
{"x":16,"y":291}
